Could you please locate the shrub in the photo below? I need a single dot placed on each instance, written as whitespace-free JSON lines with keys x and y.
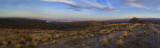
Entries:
{"x":18,"y":46}
{"x":101,"y":32}
{"x":120,"y":42}
{"x":49,"y":36}
{"x":120,"y":37}
{"x":134,"y":20}
{"x":141,"y":21}
{"x":4,"y":43}
{"x":92,"y":35}
{"x":110,"y":38}
{"x":13,"y":42}
{"x":125,"y":34}
{"x":104,"y":41}
{"x":156,"y":22}
{"x":3,"y":46}
{"x":56,"y":36}
{"x":73,"y":34}
{"x":80,"y":37}
{"x":74,"y":38}
{"x":86,"y":36}
{"x":45,"y":40}
{"x":130,"y":30}
{"x":28,"y":44}
{"x":117,"y":35}
{"x":83,"y":44}
{"x":144,"y":32}
{"x":45,"y":43}
{"x":53,"y":42}
{"x":22,"y":40}
{"x":32,"y":44}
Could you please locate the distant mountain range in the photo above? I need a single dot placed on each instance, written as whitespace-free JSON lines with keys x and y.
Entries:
{"x":24,"y":23}
{"x":146,"y":20}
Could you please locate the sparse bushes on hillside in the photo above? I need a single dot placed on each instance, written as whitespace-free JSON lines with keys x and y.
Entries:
{"x":156,"y":22}
{"x":134,"y":20}
{"x":141,"y":21}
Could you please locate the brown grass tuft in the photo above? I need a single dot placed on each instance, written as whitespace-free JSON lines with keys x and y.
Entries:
{"x":56,"y":36}
{"x":53,"y":42}
{"x":120,"y":42}
{"x":4,"y":43}
{"x":92,"y":35}
{"x":18,"y":46}
{"x":125,"y":34}
{"x":104,"y":41}
{"x":74,"y":38}
{"x":110,"y":38}
{"x":3,"y":46}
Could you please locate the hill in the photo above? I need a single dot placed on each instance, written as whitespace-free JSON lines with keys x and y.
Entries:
{"x":146,"y":20}
{"x":23,"y":23}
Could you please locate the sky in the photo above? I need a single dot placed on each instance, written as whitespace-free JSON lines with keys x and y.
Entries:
{"x":80,"y":9}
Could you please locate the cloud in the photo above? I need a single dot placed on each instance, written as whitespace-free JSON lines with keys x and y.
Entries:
{"x":62,"y":1}
{"x":147,"y":4}
{"x":158,"y":8}
{"x":135,"y":3}
{"x":77,"y":7}
{"x":99,"y":6}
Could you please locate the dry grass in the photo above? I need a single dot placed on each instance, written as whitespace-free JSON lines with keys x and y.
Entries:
{"x":104,"y":41}
{"x":53,"y":42}
{"x":29,"y":39}
{"x":18,"y":46}
{"x":57,"y":36}
{"x":125,"y":34}
{"x":120,"y":37}
{"x":45,"y":43}
{"x":144,"y":32}
{"x":13,"y":42}
{"x":32,"y":44}
{"x":4,"y":43}
{"x":83,"y":44}
{"x":86,"y":36}
{"x":92,"y":35}
{"x":22,"y":40}
{"x":80,"y":37}
{"x":110,"y":38}
{"x":120,"y":42}
{"x":74,"y":38}
{"x":3,"y":46}
{"x":102,"y":32}
{"x":45,"y":39}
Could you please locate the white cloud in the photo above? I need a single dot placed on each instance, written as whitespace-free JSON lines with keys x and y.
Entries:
{"x":62,"y":1}
{"x":158,"y":8}
{"x":136,"y":3}
{"x":77,"y":7}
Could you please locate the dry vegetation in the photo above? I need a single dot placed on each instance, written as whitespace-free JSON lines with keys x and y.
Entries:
{"x":124,"y":35}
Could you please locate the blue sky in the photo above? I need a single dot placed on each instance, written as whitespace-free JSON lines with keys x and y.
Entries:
{"x":80,"y":9}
